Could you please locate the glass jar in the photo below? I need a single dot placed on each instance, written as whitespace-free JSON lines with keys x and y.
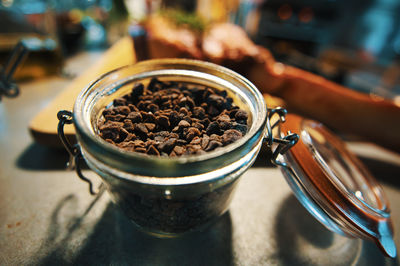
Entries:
{"x":167,"y":196}
{"x":161,"y":195}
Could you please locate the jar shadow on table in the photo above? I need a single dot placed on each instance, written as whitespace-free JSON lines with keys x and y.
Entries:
{"x":302,"y":240}
{"x":114,"y":240}
{"x":37,"y":157}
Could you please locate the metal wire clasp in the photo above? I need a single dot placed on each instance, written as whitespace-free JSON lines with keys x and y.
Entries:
{"x":283,"y":143}
{"x":66,"y":117}
{"x":8,"y":87}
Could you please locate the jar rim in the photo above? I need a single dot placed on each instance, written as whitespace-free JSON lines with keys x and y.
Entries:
{"x":85,"y":132}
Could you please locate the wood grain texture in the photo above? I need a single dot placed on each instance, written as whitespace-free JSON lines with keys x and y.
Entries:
{"x":43,"y":126}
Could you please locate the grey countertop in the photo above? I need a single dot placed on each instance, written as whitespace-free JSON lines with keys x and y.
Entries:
{"x":48,"y":217}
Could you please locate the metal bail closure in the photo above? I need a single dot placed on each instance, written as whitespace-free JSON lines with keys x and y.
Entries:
{"x":66,"y":117}
{"x":334,"y":186}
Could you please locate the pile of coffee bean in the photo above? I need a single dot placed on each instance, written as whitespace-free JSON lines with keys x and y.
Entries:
{"x":172,"y":119}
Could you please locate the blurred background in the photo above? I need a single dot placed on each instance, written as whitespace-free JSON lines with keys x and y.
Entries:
{"x":353,"y":42}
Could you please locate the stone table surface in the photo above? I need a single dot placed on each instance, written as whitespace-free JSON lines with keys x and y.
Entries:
{"x":47,"y":216}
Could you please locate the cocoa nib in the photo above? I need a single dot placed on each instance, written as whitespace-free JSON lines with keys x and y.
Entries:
{"x":172,"y":119}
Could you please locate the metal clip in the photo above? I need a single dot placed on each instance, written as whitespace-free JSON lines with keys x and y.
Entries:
{"x":8,"y":88}
{"x":283,"y":143}
{"x":66,"y":117}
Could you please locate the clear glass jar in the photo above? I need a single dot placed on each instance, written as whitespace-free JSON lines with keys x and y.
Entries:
{"x":169,"y":196}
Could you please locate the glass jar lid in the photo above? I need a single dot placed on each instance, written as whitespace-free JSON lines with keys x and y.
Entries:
{"x":334,"y":186}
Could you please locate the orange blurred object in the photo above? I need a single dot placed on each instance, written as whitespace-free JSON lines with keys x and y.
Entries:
{"x":285,"y":12}
{"x":306,"y":14}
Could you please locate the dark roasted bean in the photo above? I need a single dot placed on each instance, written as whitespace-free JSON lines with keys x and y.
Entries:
{"x":183,"y":123}
{"x":150,"y":126}
{"x":128,"y":125}
{"x":124,"y":110}
{"x":127,"y":145}
{"x":108,"y":112}
{"x":137,"y":90}
{"x":240,"y":127}
{"x":191,"y":133}
{"x":140,"y":149}
{"x":199,"y":112}
{"x":151,"y":150}
{"x":153,"y":108}
{"x":135,"y":117}
{"x":130,"y":137}
{"x":204,"y":141}
{"x":172,"y":119}
{"x":117,"y":118}
{"x":241,"y":115}
{"x":179,"y":150}
{"x":141,"y":128}
{"x":213,"y":128}
{"x":212,"y":145}
{"x":120,"y":102}
{"x":215,"y":100}
{"x":230,"y":136}
{"x":212,"y":110}
{"x":167,"y":146}
{"x":196,"y":141}
{"x":163,"y":121}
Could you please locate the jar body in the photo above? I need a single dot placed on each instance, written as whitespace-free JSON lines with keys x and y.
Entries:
{"x":169,"y":196}
{"x":172,"y":210}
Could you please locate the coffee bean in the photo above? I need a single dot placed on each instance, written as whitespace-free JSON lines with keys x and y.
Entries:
{"x":163,"y":121}
{"x":213,"y":128}
{"x":128,"y":125}
{"x":172,"y":119}
{"x":186,"y":102}
{"x":133,"y":108}
{"x":150,"y":126}
{"x":111,"y":124}
{"x":137,"y":90}
{"x":212,"y":145}
{"x":167,"y":146}
{"x":124,"y":110}
{"x":108,"y":112}
{"x":140,"y":149}
{"x":241,"y":115}
{"x":127,"y":145}
{"x":240,"y":127}
{"x":212,"y":110}
{"x":204,"y":141}
{"x":179,"y":150}
{"x":117,"y":117}
{"x":230,"y":136}
{"x":184,"y":111}
{"x":138,"y":143}
{"x":153,"y":108}
{"x":196,"y":141}
{"x":183,"y":123}
{"x":120,"y":102}
{"x":152,"y":151}
{"x":191,"y":133}
{"x":130,"y":137}
{"x":199,"y":112}
{"x":215,"y":100}
{"x":135,"y":117}
{"x":141,"y":128}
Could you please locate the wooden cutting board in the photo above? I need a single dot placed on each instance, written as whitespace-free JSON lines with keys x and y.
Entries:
{"x":43,"y":126}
